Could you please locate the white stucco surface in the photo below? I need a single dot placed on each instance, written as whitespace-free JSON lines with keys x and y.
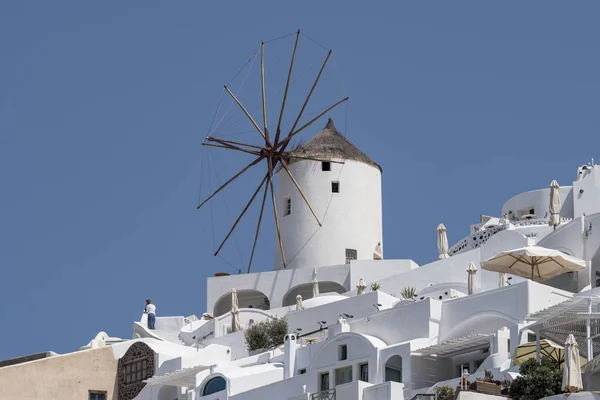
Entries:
{"x":351,"y":219}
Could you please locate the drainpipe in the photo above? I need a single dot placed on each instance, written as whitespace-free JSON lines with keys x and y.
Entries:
{"x":588,"y":331}
{"x":537,"y":347}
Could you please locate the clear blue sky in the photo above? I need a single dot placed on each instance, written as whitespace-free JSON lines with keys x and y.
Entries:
{"x":103,"y":109}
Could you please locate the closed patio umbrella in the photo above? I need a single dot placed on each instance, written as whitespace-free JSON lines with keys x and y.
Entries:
{"x":315,"y":286}
{"x":442,"y":242}
{"x":555,"y":204}
{"x":533,"y":262}
{"x":572,"y":370}
{"x":361,"y":286}
{"x":235,"y":312}
{"x":299,"y":305}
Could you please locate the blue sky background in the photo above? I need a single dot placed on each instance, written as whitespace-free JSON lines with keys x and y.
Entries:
{"x":103,"y":109}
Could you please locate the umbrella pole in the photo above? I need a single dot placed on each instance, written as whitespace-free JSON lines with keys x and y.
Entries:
{"x":537,"y":348}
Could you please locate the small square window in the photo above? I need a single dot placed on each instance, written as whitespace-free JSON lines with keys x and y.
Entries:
{"x":97,"y":395}
{"x":335,"y":187}
{"x":343,"y":375}
{"x":343,"y":352}
{"x":351,"y":254}
{"x":325,"y":166}
{"x":302,"y":371}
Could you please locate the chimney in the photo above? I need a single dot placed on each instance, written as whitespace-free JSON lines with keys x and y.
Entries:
{"x":289,"y":356}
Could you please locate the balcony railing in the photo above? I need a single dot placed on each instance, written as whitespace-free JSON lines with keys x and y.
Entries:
{"x":323,"y":395}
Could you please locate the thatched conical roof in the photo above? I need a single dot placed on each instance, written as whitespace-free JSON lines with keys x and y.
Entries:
{"x":330,"y":144}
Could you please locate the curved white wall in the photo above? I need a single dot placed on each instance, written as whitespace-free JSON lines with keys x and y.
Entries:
{"x":539,"y":200}
{"x":352,"y":218}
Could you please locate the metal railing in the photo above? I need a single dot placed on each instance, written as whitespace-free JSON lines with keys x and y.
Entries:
{"x":323,"y":395}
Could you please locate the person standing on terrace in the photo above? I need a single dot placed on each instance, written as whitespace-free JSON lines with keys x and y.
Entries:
{"x":151,"y":311}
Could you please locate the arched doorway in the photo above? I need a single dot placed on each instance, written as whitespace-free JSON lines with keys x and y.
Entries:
{"x":247,"y":298}
{"x":393,"y":369}
{"x":306,"y":291}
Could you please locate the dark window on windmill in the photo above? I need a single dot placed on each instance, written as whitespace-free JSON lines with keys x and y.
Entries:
{"x":335,"y":187}
{"x":325,"y":166}
{"x":351,"y":254}
{"x":288,"y":206}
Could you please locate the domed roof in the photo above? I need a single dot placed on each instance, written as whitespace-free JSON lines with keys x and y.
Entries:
{"x":329,"y":143}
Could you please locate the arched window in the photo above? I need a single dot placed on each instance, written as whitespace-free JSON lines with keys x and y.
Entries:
{"x":393,"y":369}
{"x":214,"y":385}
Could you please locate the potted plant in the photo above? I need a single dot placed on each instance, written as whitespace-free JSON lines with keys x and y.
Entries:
{"x":375,"y":287}
{"x":487,"y":384}
{"x":505,"y":383}
{"x":408,"y":292}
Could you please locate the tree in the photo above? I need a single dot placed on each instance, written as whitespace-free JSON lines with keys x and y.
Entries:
{"x":537,"y":380}
{"x":266,"y":334}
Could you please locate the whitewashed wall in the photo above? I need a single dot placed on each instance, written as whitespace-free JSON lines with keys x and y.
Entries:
{"x":352,"y":218}
{"x":540,"y":201}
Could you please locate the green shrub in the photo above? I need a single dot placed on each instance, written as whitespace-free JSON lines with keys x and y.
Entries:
{"x":537,"y":380}
{"x":266,"y":334}
{"x":444,"y":392}
{"x":375,"y":287}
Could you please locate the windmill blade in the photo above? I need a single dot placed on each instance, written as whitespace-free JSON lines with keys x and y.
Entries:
{"x":231,"y":180}
{"x":287,"y":86}
{"x":214,"y":139}
{"x":293,"y":156}
{"x":276,"y":214}
{"x":286,"y":141}
{"x":262,"y":209}
{"x":285,"y":166}
{"x":245,"y":112}
{"x":230,"y":147}
{"x":264,"y":100}
{"x":312,"y":89}
{"x":242,"y":214}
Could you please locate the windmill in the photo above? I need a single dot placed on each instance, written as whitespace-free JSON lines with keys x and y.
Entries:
{"x":272,"y":151}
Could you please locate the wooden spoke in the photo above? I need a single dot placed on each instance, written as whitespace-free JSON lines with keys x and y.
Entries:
{"x":242,"y":214}
{"x":285,"y":166}
{"x":293,"y":156}
{"x":262,"y":209}
{"x":264,"y":100}
{"x":276,"y":214}
{"x":312,"y":89}
{"x":230,"y":147}
{"x":286,"y":141}
{"x":231,"y":180}
{"x":213,"y":139}
{"x":287,"y":86}
{"x":245,"y":112}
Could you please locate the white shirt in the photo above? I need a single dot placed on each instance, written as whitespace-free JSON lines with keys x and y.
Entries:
{"x":150,"y":308}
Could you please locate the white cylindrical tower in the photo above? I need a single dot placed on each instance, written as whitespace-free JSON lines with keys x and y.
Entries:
{"x":345,"y":193}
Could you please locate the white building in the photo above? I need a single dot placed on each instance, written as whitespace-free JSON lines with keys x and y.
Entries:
{"x":376,"y":345}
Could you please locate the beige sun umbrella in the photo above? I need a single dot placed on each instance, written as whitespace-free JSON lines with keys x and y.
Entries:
{"x":315,"y":284}
{"x":548,"y":349}
{"x":533,"y":262}
{"x":299,"y":305}
{"x":235,"y":312}
{"x":361,"y":286}
{"x":572,"y":369}
{"x":442,"y":242}
{"x":555,"y":204}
